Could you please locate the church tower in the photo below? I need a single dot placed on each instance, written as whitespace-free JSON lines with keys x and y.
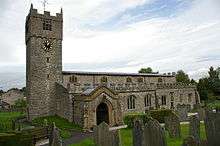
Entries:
{"x":43,"y":36}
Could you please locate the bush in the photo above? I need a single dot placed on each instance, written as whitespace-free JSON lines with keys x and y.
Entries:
{"x":15,"y":139}
{"x":6,"y":120}
{"x":159,"y":115}
{"x":128,"y":119}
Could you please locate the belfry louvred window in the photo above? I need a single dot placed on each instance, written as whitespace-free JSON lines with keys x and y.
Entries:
{"x":47,"y":24}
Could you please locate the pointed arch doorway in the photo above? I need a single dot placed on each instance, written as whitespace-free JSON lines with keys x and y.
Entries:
{"x":102,"y":113}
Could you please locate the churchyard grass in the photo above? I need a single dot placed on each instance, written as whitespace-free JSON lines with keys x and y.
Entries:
{"x":86,"y":142}
{"x":6,"y":119}
{"x":126,"y":137}
{"x":64,"y":125}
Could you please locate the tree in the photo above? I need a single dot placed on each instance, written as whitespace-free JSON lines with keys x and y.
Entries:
{"x":203,"y":88}
{"x":193,"y":82}
{"x":214,"y":81}
{"x":213,"y":74}
{"x":182,"y":77}
{"x":20,"y":103}
{"x":203,"y":94}
{"x":145,"y":70}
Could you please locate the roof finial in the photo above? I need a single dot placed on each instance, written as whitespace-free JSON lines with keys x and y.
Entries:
{"x":32,"y":6}
{"x":61,"y":11}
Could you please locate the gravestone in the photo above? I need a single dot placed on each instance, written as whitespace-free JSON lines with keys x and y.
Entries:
{"x":194,"y":127}
{"x":172,"y":125}
{"x":182,"y":112}
{"x":154,"y":134}
{"x":212,"y":126}
{"x":104,"y":137}
{"x":138,"y":132}
{"x":190,"y":141}
{"x":114,"y":138}
{"x":55,"y":139}
{"x":201,"y":114}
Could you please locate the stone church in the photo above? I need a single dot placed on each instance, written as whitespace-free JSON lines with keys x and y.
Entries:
{"x":88,"y":98}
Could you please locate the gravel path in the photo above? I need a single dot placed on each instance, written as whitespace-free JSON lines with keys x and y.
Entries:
{"x":76,"y":137}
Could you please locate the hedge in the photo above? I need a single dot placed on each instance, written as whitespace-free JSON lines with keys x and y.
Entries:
{"x":15,"y":139}
{"x":159,"y":115}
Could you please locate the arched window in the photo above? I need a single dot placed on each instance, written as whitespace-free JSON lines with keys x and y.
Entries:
{"x":190,"y":97}
{"x":160,"y":80}
{"x":128,"y":80}
{"x":140,"y":80}
{"x":73,"y":79}
{"x":147,"y":100}
{"x":131,"y":102}
{"x":104,"y":80}
{"x":164,"y":100}
{"x":181,"y":97}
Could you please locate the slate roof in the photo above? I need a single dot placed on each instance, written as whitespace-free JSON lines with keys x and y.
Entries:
{"x":114,"y":74}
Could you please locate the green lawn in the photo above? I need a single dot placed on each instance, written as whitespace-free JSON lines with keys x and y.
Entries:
{"x":6,"y":119}
{"x":126,"y":137}
{"x":64,"y":125}
{"x":86,"y":142}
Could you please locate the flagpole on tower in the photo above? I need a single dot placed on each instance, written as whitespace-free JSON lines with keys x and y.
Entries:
{"x":44,"y":2}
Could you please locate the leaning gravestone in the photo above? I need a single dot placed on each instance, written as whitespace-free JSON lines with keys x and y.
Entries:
{"x":182,"y":111}
{"x":104,"y":137}
{"x":172,"y":125}
{"x":154,"y":134}
{"x":55,"y":139}
{"x":194,"y":127}
{"x":212,"y":126}
{"x":137,"y":133}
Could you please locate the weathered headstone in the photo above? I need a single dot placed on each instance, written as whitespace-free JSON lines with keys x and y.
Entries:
{"x":55,"y":139}
{"x":190,"y":141}
{"x":104,"y":137}
{"x":212,"y":126}
{"x":201,"y":114}
{"x":172,"y":125}
{"x":194,"y":127}
{"x":154,"y":134}
{"x":114,"y":138}
{"x":137,"y":133}
{"x":182,"y":112}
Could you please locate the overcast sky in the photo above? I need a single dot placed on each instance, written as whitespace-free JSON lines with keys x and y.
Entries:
{"x":121,"y":35}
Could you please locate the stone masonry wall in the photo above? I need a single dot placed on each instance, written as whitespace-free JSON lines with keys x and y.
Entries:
{"x":43,"y":68}
{"x":64,"y":106}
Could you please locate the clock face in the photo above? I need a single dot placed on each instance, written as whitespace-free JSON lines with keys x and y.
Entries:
{"x":47,"y":46}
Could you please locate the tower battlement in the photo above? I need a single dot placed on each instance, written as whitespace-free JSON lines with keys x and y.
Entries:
{"x":34,"y":12}
{"x":44,"y":25}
